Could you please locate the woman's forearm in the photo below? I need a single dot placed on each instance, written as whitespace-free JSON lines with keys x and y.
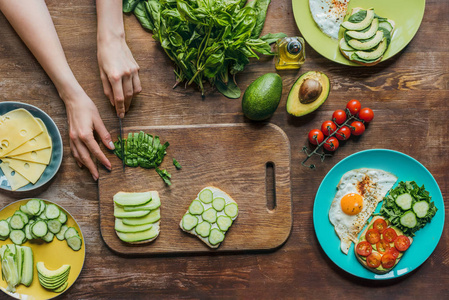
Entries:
{"x":32,"y":22}
{"x":110,"y":20}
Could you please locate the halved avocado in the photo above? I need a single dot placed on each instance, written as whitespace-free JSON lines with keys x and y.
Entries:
{"x":359,"y":35}
{"x":375,"y":54}
{"x":309,"y":91}
{"x":370,"y":44}
{"x":360,"y":25}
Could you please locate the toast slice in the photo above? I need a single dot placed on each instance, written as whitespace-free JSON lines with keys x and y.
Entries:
{"x":210,"y":216}
{"x":380,"y":269}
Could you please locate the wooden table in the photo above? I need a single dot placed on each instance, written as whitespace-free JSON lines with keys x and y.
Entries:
{"x":408,"y":94}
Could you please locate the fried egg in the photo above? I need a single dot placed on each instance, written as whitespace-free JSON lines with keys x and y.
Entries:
{"x":328,"y":15}
{"x":358,"y":193}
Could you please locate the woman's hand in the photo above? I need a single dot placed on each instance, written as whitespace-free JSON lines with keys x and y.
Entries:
{"x":84,"y":119}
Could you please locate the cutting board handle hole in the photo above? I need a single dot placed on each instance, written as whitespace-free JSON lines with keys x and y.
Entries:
{"x":270,"y":185}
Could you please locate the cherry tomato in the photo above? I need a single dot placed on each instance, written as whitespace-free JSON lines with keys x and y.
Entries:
{"x":328,"y":127}
{"x":357,"y":128}
{"x":382,"y":246}
{"x":402,"y":243}
{"x":339,"y":116}
{"x":364,"y":248}
{"x":354,"y":106}
{"x":331,"y":144}
{"x":388,"y":260}
{"x":316,"y":136}
{"x":343,"y":133}
{"x":373,"y":260}
{"x":380,"y":225}
{"x":390,"y":235}
{"x":366,"y":114}
{"x":393,"y":251}
{"x":372,"y":236}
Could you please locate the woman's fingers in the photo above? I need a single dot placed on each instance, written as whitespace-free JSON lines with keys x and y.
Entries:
{"x":119,"y":97}
{"x":107,"y":88}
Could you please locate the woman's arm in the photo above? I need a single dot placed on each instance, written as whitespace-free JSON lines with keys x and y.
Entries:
{"x":118,"y":69}
{"x":32,"y":22}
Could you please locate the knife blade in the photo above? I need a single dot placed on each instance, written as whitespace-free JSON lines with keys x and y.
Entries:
{"x":121,"y":142}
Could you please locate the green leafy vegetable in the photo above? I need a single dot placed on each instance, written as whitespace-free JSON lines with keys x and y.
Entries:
{"x":391,"y":211}
{"x":207,"y":40}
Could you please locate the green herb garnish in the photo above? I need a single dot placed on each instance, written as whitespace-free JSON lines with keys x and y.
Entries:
{"x":177,"y":164}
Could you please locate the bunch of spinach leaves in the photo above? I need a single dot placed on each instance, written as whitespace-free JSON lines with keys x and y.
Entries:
{"x":208,"y":40}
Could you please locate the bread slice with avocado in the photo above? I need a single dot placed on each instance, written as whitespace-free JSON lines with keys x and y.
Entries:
{"x":382,"y":248}
{"x":366,"y":46}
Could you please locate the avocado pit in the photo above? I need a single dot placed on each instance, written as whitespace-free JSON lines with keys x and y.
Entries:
{"x":310,"y":90}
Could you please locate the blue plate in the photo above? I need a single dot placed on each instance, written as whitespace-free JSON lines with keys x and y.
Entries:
{"x":56,"y":156}
{"x":405,"y":168}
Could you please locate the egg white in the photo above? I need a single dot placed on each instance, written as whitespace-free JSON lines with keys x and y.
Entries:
{"x":328,"y":15}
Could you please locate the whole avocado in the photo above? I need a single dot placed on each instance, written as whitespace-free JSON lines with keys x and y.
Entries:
{"x":262,"y":97}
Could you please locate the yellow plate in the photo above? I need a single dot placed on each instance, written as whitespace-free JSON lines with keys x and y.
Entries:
{"x":53,"y":254}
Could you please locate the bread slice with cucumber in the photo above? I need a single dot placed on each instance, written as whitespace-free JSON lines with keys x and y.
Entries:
{"x":210,"y":215}
{"x":366,"y":37}
{"x":392,"y":243}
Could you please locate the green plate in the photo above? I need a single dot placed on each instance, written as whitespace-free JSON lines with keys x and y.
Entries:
{"x":407,"y":14}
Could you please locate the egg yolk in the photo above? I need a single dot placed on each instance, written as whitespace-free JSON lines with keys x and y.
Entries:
{"x":352,"y":204}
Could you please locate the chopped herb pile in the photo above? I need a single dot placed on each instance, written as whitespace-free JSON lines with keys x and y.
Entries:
{"x":207,"y":40}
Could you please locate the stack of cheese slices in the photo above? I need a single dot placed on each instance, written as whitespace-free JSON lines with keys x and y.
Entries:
{"x":25,"y":148}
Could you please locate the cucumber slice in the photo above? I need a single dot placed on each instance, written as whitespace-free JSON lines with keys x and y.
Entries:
{"x":42,"y":207}
{"x":33,"y":206}
{"x":216,"y":236}
{"x":152,"y":217}
{"x":71,"y":231}
{"x":121,"y":213}
{"x":23,"y":215}
{"x":39,"y":229}
{"x":139,"y":236}
{"x":421,"y":208}
{"x":404,"y":201}
{"x":28,"y":266}
{"x":42,"y":216}
{"x":17,"y":236}
{"x":231,"y":210}
{"x":189,"y":222}
{"x":23,"y":208}
{"x":408,"y":219}
{"x":16,"y":222}
{"x":49,"y":237}
{"x":203,"y":229}
{"x":219,"y":203}
{"x":224,"y":222}
{"x":62,"y":217}
{"x":54,"y":226}
{"x":132,"y":199}
{"x":387,"y":25}
{"x":4,"y":228}
{"x":154,"y":203}
{"x":51,"y":211}
{"x":119,"y":226}
{"x":19,"y":261}
{"x":210,"y":215}
{"x":27,"y":230}
{"x":74,"y":242}
{"x":206,"y":196}
{"x":60,"y":234}
{"x":196,"y":208}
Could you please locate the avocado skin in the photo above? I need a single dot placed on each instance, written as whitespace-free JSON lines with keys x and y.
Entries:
{"x":294,"y":105}
{"x":262,"y":97}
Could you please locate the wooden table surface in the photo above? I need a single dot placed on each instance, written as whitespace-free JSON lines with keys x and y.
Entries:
{"x":408,"y":94}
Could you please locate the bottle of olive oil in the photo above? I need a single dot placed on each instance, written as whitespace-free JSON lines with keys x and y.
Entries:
{"x":290,"y":53}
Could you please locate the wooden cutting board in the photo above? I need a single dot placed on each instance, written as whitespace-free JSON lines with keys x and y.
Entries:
{"x":233,"y":157}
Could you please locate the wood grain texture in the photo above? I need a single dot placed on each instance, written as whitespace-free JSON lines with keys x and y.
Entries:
{"x":408,"y":94}
{"x":232,"y":157}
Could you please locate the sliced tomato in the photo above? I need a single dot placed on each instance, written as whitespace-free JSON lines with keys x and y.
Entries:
{"x":372,"y":236}
{"x":393,"y":251}
{"x":380,"y":225}
{"x":364,"y":248}
{"x":390,"y":235}
{"x":373,"y":260}
{"x":382,"y":246}
{"x":388,"y":260}
{"x":402,"y":243}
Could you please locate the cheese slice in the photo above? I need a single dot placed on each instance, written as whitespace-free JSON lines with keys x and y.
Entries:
{"x":16,"y":128}
{"x":42,"y":156}
{"x":31,"y":171}
{"x":42,"y":141}
{"x":15,"y":180}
